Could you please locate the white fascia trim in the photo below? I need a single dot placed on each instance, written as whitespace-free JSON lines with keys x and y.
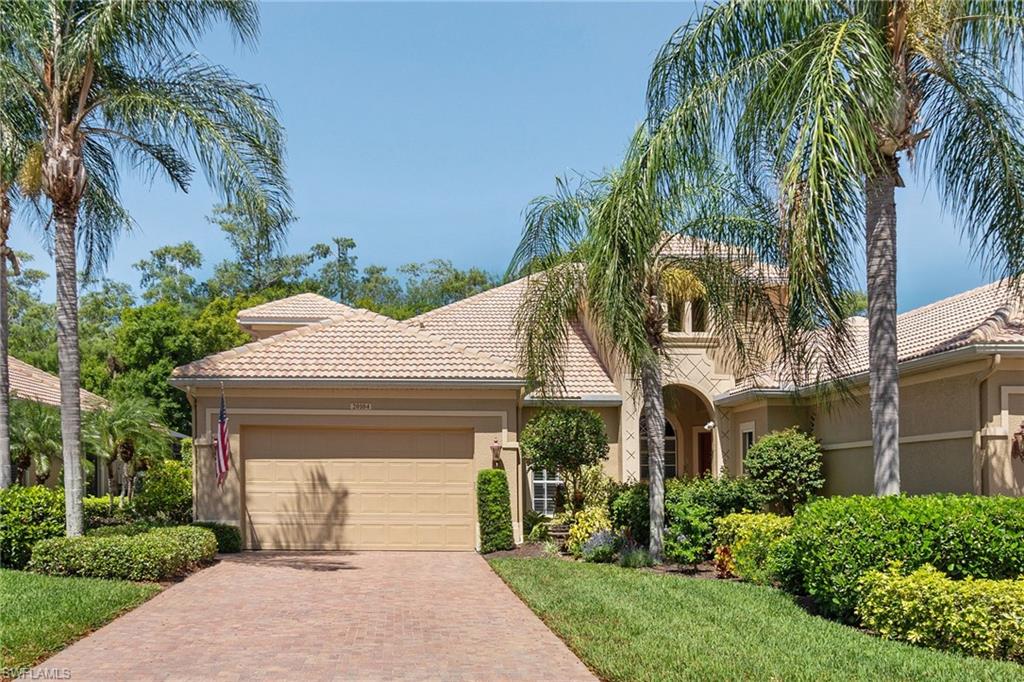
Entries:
{"x":183,"y":382}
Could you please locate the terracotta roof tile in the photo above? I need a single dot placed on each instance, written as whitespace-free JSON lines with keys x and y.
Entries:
{"x":486,"y":322}
{"x":306,"y":307}
{"x":358,"y":344}
{"x":32,"y":383}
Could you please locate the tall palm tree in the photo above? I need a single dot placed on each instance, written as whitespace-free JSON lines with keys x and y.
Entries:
{"x":598,"y":249}
{"x":112,"y":83}
{"x":128,"y":433}
{"x":822,"y":100}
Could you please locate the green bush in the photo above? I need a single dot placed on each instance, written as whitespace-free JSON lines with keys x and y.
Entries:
{"x":530,"y":519}
{"x":166,"y":495}
{"x":133,"y":528}
{"x":594,"y":488}
{"x":494,"y":511}
{"x":837,"y":540}
{"x":99,"y":511}
{"x":630,"y":512}
{"x":565,"y":440}
{"x":749,"y":539}
{"x":600,"y":548}
{"x":158,"y":554}
{"x":786,"y":467}
{"x":584,"y":525}
{"x":973,"y":617}
{"x":539,"y":533}
{"x":229,"y":537}
{"x":28,"y":515}
{"x":635,"y":557}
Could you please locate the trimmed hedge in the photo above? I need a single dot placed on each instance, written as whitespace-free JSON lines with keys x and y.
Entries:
{"x":229,"y":537}
{"x":839,"y":539}
{"x":973,"y":617}
{"x":746,"y":543}
{"x":157,"y":554}
{"x":494,"y":511}
{"x":28,"y":515}
{"x":786,"y":466}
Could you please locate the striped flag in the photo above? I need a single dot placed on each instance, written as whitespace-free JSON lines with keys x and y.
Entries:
{"x":223,"y":443}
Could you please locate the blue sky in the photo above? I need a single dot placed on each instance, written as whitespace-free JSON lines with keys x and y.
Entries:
{"x":422,"y":130}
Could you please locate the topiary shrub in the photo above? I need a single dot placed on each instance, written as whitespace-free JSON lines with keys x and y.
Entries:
{"x":494,"y":511}
{"x":158,"y":554}
{"x":600,"y":548}
{"x":747,"y":540}
{"x":565,"y":440}
{"x":166,"y":495}
{"x":584,"y":526}
{"x":28,"y":515}
{"x":786,"y":467}
{"x":229,"y":537}
{"x":839,"y":539}
{"x":973,"y":617}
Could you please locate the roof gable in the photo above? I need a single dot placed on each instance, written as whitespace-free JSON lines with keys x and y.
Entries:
{"x":307,"y":307}
{"x":31,"y":383}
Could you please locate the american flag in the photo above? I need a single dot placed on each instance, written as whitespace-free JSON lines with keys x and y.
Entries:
{"x":223,"y":443}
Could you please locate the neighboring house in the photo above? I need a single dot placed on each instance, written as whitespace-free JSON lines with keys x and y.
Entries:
{"x":353,"y":430}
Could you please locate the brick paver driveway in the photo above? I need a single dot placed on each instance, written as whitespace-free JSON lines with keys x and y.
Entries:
{"x":337,"y":615}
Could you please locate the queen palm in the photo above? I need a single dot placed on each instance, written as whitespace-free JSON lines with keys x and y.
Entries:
{"x":35,"y":439}
{"x":127,"y":432}
{"x":111,"y":82}
{"x":823,"y":99}
{"x":597,"y":249}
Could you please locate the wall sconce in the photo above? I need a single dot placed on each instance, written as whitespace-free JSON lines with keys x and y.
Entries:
{"x":496,"y":453}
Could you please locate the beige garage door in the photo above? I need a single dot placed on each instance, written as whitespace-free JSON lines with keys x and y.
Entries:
{"x":333,"y":488}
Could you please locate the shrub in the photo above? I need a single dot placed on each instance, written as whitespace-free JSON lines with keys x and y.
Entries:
{"x":688,"y":531}
{"x":494,"y":511}
{"x":837,"y":540}
{"x":600,"y":548}
{"x":157,"y":554}
{"x":632,"y":556}
{"x":974,"y":617}
{"x":28,"y":515}
{"x":166,"y":494}
{"x":692,"y":505}
{"x":593,"y":488}
{"x":786,"y":467}
{"x":586,"y":523}
{"x":539,"y":533}
{"x":565,"y":440}
{"x":630,"y":512}
{"x":99,"y":511}
{"x":134,"y":528}
{"x":748,"y":539}
{"x":229,"y":537}
{"x":530,"y":519}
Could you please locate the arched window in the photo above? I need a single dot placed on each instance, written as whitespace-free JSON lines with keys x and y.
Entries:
{"x":670,"y":450}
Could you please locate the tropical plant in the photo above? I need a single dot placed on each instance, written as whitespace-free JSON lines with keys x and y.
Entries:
{"x":566,"y":441}
{"x":35,"y":439}
{"x":816,"y":103}
{"x":126,"y":436}
{"x":113,"y":83}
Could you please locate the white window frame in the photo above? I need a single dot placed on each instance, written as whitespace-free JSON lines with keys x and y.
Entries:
{"x":550,"y":482}
{"x":747,"y":428}
{"x":674,"y":462}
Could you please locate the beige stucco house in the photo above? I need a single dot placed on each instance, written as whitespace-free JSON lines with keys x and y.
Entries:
{"x":353,"y":430}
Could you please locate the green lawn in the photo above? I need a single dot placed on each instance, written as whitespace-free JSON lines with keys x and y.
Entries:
{"x":636,"y":625}
{"x":41,"y":614}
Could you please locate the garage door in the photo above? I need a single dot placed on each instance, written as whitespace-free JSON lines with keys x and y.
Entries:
{"x":332,"y":488}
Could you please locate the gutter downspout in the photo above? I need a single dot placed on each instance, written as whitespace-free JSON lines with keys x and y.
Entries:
{"x":979,"y":452}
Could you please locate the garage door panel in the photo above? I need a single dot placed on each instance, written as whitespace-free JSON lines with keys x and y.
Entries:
{"x":356,"y":498}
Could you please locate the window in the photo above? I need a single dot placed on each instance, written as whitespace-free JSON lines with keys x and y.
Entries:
{"x":746,"y":437}
{"x":545,"y":490}
{"x":699,"y":316}
{"x":670,"y":450}
{"x":688,"y":317}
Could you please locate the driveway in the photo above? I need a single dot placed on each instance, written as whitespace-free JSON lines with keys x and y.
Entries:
{"x":331,"y":615}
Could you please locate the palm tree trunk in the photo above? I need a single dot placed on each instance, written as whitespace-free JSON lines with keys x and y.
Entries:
{"x":883,"y":361}
{"x":68,"y":355}
{"x":6,"y":478}
{"x":654,"y":412}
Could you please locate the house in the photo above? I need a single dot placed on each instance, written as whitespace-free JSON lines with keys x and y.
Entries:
{"x":353,"y":430}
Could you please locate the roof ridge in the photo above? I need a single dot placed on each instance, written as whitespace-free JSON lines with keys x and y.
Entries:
{"x":963,"y":294}
{"x":301,"y":294}
{"x":492,"y":290}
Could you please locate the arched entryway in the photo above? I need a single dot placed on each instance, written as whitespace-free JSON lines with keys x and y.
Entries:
{"x":690,"y":445}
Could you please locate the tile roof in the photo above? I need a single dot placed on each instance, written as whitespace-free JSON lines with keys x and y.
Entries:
{"x":31,"y":383}
{"x":356,"y":345}
{"x":681,"y":246}
{"x":486,"y":321}
{"x":306,"y":307}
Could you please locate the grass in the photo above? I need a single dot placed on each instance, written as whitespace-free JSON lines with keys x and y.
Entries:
{"x":42,"y":614}
{"x":638,"y":625}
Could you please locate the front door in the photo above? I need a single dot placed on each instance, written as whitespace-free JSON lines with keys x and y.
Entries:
{"x":705,"y":451}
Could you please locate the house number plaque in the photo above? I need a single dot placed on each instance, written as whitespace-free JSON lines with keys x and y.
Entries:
{"x":360,"y":406}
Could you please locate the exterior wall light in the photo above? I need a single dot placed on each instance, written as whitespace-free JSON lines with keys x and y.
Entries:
{"x":496,"y":454}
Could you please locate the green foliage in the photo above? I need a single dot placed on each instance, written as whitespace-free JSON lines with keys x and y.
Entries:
{"x":229,"y":537}
{"x":166,"y":495}
{"x":104,"y":511}
{"x":971,"y":617}
{"x":593,"y":487}
{"x":837,"y":540}
{"x":635,"y":557}
{"x":585,"y":524}
{"x":600,"y":548}
{"x":531,"y":518}
{"x":35,"y":439}
{"x":494,"y":511}
{"x":28,"y":515}
{"x":631,"y":512}
{"x":539,"y":533}
{"x":565,"y":440}
{"x":787,"y":468}
{"x":750,"y":539}
{"x":187,"y":452}
{"x":158,"y":554}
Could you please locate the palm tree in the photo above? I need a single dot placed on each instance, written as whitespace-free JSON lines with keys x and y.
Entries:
{"x":598,"y":249}
{"x":35,"y":439}
{"x":128,"y":433}
{"x":821,"y":100}
{"x":111,"y":83}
